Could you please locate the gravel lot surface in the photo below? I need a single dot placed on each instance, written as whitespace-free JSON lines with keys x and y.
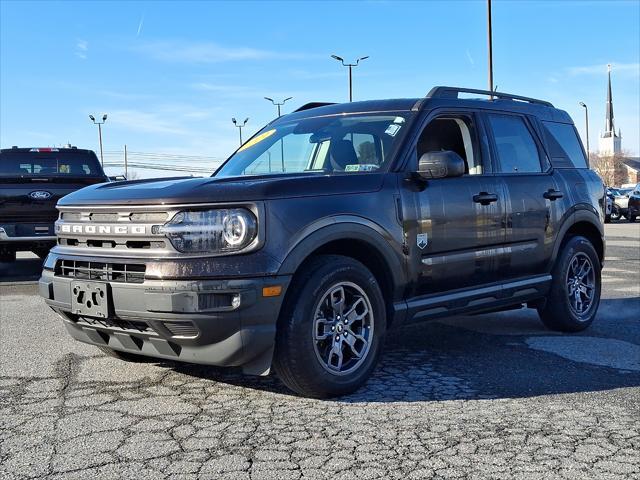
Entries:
{"x":490,"y":396}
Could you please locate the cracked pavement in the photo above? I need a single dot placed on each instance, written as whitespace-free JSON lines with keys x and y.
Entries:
{"x":494,"y":396}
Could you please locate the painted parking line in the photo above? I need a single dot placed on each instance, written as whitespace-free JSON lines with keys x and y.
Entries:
{"x":604,"y":352}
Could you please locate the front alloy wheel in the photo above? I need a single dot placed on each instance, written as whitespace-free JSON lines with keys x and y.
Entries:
{"x":343,"y":328}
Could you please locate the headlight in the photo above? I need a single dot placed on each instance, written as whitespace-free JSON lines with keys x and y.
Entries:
{"x":211,"y":231}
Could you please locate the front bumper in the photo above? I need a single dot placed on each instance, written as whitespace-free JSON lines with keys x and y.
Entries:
{"x":184,"y":320}
{"x":27,"y":236}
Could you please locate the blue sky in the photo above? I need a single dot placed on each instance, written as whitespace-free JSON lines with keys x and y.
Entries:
{"x":171,"y":75}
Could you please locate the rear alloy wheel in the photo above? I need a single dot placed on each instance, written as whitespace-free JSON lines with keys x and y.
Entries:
{"x":331,"y":329}
{"x":574,"y":296}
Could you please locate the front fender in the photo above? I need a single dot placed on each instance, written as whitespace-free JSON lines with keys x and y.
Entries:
{"x":347,"y":227}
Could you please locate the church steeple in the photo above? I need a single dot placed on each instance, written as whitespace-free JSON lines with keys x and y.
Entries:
{"x":610,"y":141}
{"x":609,"y":127}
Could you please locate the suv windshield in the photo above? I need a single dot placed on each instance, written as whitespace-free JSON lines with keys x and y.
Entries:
{"x":75,"y":163}
{"x":332,"y":144}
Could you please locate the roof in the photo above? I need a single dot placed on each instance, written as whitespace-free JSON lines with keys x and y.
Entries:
{"x":633,"y":163}
{"x":542,"y":111}
{"x":44,"y":149}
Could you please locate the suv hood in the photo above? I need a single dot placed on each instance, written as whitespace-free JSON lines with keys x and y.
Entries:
{"x":167,"y":191}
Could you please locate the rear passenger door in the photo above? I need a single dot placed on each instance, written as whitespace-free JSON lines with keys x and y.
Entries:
{"x":529,"y":193}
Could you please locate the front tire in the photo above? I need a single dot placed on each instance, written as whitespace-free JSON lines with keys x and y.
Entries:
{"x":574,"y":296}
{"x":631,"y":218}
{"x":332,"y":328}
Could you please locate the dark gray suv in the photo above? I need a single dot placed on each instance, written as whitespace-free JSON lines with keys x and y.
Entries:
{"x":332,"y":225}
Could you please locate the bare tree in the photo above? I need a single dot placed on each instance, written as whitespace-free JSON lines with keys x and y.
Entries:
{"x":611,"y":168}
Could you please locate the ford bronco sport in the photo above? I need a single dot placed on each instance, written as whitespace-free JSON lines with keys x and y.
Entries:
{"x":331,"y":225}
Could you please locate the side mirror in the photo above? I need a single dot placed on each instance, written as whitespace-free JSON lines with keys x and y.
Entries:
{"x":440,"y":165}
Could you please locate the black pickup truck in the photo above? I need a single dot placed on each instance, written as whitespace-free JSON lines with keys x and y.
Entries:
{"x":32,"y":180}
{"x":331,"y":225}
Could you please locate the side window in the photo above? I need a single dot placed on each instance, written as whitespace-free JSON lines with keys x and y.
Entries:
{"x":452,"y":133}
{"x":516,"y":149}
{"x":564,"y":146}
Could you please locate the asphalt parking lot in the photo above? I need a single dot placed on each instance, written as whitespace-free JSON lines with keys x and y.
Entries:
{"x":490,"y":396}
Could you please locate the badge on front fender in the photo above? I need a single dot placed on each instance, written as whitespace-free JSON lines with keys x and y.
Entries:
{"x":422,"y":240}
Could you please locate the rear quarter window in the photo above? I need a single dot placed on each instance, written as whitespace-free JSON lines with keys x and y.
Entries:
{"x":564,"y":146}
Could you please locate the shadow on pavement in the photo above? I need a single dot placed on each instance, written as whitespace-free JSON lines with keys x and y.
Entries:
{"x":500,"y":355}
{"x":26,"y":269}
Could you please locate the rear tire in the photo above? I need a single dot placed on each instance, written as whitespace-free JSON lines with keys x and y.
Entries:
{"x":331,"y":330}
{"x":125,"y":356}
{"x":631,"y":218}
{"x":574,"y":296}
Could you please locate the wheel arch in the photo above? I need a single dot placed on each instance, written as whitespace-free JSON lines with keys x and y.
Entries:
{"x":359,"y":239}
{"x":584,"y":223}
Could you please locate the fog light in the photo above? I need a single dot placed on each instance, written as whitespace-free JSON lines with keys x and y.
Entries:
{"x":235,"y":301}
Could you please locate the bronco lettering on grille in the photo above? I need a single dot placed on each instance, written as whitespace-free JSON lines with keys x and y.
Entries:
{"x":102,"y":229}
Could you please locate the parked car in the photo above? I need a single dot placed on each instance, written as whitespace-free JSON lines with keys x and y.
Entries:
{"x":608,"y":205}
{"x":332,"y":225}
{"x":32,"y":180}
{"x":620,"y":197}
{"x":633,"y":206}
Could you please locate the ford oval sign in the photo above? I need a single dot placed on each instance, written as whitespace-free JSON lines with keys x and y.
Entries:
{"x":40,"y":195}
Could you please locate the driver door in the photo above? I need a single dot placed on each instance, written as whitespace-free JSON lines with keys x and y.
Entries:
{"x":460,"y":228}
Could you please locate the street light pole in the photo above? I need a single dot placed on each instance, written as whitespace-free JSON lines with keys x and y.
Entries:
{"x":281,"y":140}
{"x":237,"y":124}
{"x":350,"y":65}
{"x":490,"y":34}
{"x":586,"y":121}
{"x":104,"y":119}
{"x":278,"y":104}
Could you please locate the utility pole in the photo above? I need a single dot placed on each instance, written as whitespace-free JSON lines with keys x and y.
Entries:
{"x":126,"y":170}
{"x":586,"y":121}
{"x":237,"y":124}
{"x":350,"y":65}
{"x":489,"y":31}
{"x":104,"y":119}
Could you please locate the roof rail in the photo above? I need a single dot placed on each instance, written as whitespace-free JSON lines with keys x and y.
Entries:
{"x":308,"y":106}
{"x":452,"y":92}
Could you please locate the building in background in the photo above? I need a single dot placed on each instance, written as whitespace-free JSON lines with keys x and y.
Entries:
{"x":610,"y":142}
{"x":615,"y":166}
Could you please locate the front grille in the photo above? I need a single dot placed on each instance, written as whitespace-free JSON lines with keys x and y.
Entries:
{"x":109,"y":272}
{"x":117,"y":324}
{"x":120,"y":232}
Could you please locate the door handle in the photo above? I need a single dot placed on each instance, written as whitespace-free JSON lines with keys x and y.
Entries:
{"x":552,"y":194}
{"x":484,"y":198}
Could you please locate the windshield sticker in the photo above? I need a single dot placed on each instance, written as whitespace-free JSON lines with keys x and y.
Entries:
{"x":365,"y":167}
{"x":257,"y":139}
{"x":392,"y":129}
{"x":399,"y":120}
